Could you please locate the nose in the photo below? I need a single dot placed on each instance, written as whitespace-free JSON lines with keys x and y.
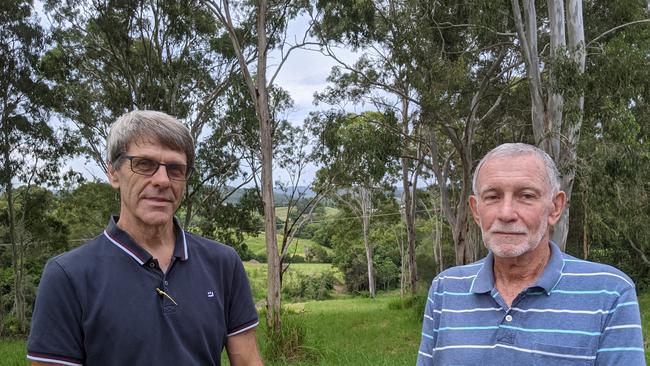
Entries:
{"x":160,"y":177}
{"x":507,"y":212}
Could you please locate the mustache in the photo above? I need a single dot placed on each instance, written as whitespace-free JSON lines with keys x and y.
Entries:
{"x":511,"y":229}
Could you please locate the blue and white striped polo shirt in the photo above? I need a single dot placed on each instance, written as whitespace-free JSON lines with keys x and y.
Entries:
{"x":577,"y":313}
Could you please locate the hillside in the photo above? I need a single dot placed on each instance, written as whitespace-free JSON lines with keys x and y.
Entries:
{"x":257,"y":245}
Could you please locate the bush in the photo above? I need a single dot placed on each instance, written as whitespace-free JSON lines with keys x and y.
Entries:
{"x":294,"y":259}
{"x":317,"y":254}
{"x":288,"y":345}
{"x":260,"y":257}
{"x":310,"y":287}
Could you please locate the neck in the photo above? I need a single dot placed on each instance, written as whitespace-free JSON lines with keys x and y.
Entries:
{"x":512,"y":275}
{"x":154,"y":239}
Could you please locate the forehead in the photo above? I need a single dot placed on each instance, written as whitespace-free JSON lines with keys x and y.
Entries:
{"x":513,"y":171}
{"x":150,"y":148}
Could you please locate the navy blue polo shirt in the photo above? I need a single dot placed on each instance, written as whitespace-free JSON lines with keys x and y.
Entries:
{"x":103,"y":303}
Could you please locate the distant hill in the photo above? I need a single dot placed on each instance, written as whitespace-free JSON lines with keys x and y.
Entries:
{"x":281,"y":198}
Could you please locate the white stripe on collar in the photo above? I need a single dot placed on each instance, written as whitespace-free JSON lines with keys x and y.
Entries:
{"x":185,"y":245}
{"x":123,"y":248}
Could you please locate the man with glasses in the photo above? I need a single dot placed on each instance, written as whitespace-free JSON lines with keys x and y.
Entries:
{"x":145,"y":292}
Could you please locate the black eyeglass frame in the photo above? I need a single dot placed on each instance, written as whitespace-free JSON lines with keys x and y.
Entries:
{"x":188,"y":172}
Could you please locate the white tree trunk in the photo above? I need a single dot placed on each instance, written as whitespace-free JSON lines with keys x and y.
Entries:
{"x":527,"y":37}
{"x":266,"y":143}
{"x":366,"y":211}
{"x":573,"y":121}
{"x":555,"y":103}
{"x":408,"y":200}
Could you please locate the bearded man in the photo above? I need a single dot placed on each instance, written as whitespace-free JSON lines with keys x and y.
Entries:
{"x":527,"y":302}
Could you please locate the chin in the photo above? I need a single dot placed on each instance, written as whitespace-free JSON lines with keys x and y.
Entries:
{"x":156,"y":218}
{"x":513,"y":253}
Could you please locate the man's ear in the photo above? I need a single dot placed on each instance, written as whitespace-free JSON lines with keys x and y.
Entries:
{"x":113,"y":177}
{"x":559,"y":201}
{"x":473,"y":204}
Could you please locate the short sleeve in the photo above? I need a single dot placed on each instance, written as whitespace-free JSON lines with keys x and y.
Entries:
{"x":621,"y":340}
{"x":56,"y":334}
{"x":241,"y":314}
{"x":429,"y":326}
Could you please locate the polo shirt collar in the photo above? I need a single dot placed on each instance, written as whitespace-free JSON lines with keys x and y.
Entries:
{"x":484,"y":280}
{"x":553,"y":270}
{"x":125,"y":242}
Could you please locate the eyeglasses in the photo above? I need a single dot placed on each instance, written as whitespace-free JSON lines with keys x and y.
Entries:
{"x":148,"y":167}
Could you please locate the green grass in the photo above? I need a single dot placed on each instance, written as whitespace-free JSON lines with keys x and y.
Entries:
{"x":331,"y":211}
{"x":358,"y":331}
{"x":644,"y":305}
{"x":281,"y":212}
{"x":12,"y":352}
{"x":257,"y":245}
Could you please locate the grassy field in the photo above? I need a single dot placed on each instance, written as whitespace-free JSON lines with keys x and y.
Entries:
{"x":356,"y":331}
{"x":12,"y":352}
{"x":257,"y":245}
{"x":257,"y":274}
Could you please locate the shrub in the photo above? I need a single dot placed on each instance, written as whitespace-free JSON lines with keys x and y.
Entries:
{"x":294,"y":259}
{"x":310,"y":287}
{"x":260,"y":257}
{"x":288,"y":345}
{"x":316,"y":254}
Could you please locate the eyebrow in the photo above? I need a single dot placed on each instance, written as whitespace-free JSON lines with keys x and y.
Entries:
{"x":518,"y":188}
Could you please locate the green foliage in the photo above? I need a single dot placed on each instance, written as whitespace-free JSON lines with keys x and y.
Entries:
{"x":316,"y":254}
{"x":611,"y":197}
{"x":86,"y":209}
{"x":39,"y":235}
{"x":300,"y":286}
{"x":257,"y":276}
{"x":230,"y":223}
{"x":357,"y":150}
{"x":257,"y":245}
{"x":349,"y":22}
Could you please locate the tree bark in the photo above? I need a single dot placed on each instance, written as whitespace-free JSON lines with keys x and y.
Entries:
{"x":366,"y":210}
{"x":573,"y":120}
{"x":408,"y":198}
{"x":527,"y":36}
{"x":555,"y":101}
{"x":19,"y":297}
{"x":266,"y":142}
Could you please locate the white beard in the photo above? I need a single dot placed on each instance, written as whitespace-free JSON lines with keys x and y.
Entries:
{"x":521,"y":244}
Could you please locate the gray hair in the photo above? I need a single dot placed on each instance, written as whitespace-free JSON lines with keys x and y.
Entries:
{"x":151,"y":126}
{"x":519,"y":149}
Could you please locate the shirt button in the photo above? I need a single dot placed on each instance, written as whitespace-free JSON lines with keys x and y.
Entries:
{"x":508,"y":318}
{"x":152,"y":264}
{"x":166,"y":283}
